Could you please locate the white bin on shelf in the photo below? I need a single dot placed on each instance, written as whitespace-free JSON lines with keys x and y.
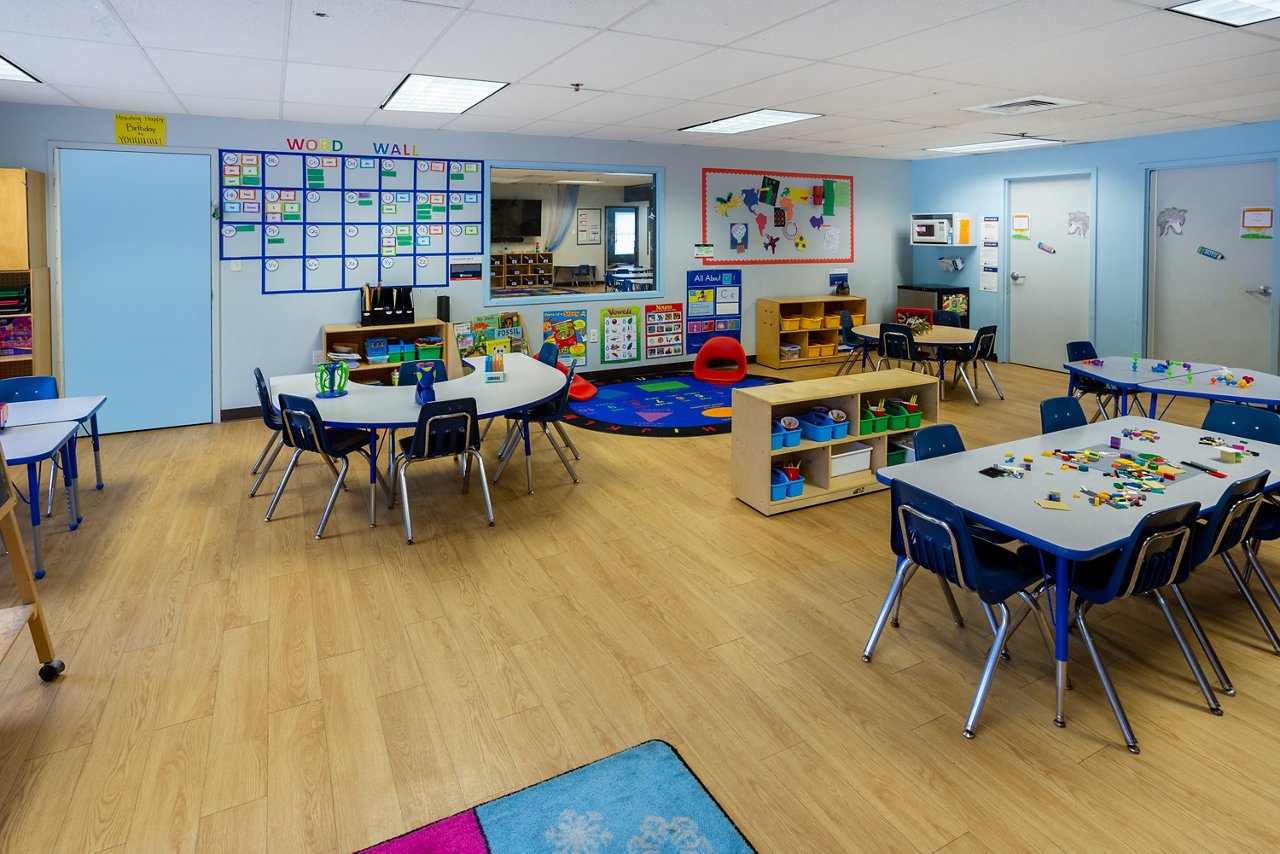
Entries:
{"x":857,"y":458}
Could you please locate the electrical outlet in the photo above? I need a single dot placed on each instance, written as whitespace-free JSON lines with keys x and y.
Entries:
{"x":237,"y":266}
{"x":594,"y":337}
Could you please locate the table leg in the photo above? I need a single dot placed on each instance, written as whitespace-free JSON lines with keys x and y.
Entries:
{"x":1061,"y":615}
{"x":1124,"y":402}
{"x":373,"y":478}
{"x":528,"y":454}
{"x":97,"y":457}
{"x":33,"y":490}
{"x":70,"y":478}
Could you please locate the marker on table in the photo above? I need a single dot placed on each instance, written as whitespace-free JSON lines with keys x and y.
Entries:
{"x":1204,"y":469}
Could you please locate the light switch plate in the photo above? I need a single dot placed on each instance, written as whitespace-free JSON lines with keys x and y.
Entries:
{"x":594,"y":337}
{"x":237,"y":266}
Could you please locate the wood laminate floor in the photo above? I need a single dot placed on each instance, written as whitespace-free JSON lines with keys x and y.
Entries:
{"x":238,"y":686}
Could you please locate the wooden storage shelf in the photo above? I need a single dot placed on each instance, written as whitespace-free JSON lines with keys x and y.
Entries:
{"x":354,"y":335}
{"x":521,"y":270}
{"x":24,"y":267}
{"x":755,"y":410}
{"x":816,"y":332}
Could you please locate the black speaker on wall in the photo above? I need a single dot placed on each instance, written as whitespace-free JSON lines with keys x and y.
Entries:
{"x":442,"y":307}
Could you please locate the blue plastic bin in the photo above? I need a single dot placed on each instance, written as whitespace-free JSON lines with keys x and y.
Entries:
{"x":839,"y":429}
{"x":776,"y":434}
{"x":795,"y":487}
{"x":777,"y":484}
{"x":816,"y":426}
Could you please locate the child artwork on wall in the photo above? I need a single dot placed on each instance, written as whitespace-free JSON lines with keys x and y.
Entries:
{"x":1171,"y":221}
{"x":798,"y":217}
{"x":1078,"y":223}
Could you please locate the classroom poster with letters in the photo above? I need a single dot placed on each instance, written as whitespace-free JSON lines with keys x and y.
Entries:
{"x":663,"y":330}
{"x":620,"y":334}
{"x":714,"y":300}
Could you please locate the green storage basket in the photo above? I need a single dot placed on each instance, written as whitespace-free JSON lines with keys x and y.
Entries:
{"x":897,"y":457}
{"x":900,"y":418}
{"x":432,"y":351}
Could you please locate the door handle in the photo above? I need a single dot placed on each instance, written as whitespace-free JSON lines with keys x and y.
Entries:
{"x":1017,"y":278}
{"x":1261,"y":290}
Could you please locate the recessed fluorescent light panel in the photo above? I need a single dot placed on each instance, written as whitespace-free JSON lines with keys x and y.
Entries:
{"x":426,"y":94}
{"x":9,"y":71}
{"x":751,"y":121}
{"x":1233,"y":13}
{"x":1003,"y":145}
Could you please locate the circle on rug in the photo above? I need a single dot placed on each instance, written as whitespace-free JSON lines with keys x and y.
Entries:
{"x":668,"y":404}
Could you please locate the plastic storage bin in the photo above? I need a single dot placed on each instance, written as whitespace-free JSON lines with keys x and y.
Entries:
{"x":896,"y":456}
{"x":431,"y":351}
{"x":857,"y":458}
{"x":780,"y":486}
{"x":826,"y":349}
{"x":831,"y":321}
{"x":900,"y":418}
{"x":816,"y":426}
{"x":879,"y":423}
{"x":839,"y":424}
{"x":807,"y":322}
{"x":790,"y":324}
{"x":789,"y":352}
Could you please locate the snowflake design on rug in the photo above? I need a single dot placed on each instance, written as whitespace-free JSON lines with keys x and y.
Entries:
{"x":679,"y":835}
{"x":575,"y":833}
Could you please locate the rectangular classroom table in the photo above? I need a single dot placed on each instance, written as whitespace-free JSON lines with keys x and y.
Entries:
{"x":1008,"y":504}
{"x":30,"y":445}
{"x":1120,"y":373}
{"x":79,"y":409}
{"x":1263,"y":391}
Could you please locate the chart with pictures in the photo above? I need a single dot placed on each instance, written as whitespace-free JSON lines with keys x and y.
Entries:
{"x":620,"y":334}
{"x":663,"y":330}
{"x":714,"y":299}
{"x":331,"y":222}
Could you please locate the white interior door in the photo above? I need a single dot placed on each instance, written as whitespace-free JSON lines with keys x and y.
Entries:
{"x":1050,"y":266}
{"x":1209,"y":275}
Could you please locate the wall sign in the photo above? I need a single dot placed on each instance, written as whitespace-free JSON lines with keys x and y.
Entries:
{"x":714,"y":306}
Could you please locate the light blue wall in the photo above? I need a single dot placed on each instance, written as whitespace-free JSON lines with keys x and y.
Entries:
{"x":976,"y":184}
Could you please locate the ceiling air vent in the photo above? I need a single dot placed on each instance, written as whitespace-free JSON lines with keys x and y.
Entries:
{"x":1023,"y":106}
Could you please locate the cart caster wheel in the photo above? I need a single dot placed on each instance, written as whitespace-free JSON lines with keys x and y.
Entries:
{"x":51,"y":670}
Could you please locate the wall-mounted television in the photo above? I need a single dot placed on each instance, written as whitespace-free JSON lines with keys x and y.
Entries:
{"x":512,"y":220}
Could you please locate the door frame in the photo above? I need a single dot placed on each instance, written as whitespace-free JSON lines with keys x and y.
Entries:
{"x":1152,"y":167}
{"x":1004,"y":343}
{"x":54,"y":191}
{"x":609,"y":229}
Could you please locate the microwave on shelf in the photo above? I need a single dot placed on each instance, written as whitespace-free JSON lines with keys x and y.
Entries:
{"x":931,"y":231}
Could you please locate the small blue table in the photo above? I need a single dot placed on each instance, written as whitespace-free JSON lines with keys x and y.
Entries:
{"x":32,"y":444}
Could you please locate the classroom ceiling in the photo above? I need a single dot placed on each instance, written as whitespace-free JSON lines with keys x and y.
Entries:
{"x":890,"y":77}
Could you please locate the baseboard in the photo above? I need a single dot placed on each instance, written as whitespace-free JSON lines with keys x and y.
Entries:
{"x":241,"y":413}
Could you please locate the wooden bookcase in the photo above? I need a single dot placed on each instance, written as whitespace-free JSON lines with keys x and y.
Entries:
{"x":521,"y":270}
{"x":810,"y":323}
{"x":354,"y":335}
{"x":24,"y":270}
{"x":755,"y":409}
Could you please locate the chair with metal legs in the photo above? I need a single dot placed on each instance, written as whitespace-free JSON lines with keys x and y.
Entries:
{"x":899,"y":344}
{"x":931,"y":532}
{"x":446,"y":428}
{"x":270,"y":417}
{"x":854,"y":345}
{"x":544,"y":415}
{"x":984,"y":343}
{"x":305,"y":430}
{"x":1061,"y":413}
{"x":1104,"y":395}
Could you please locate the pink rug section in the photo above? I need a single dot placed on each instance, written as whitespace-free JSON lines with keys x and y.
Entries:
{"x":457,"y":834}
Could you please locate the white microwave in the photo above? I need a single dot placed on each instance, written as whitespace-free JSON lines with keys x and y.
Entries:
{"x":931,"y":231}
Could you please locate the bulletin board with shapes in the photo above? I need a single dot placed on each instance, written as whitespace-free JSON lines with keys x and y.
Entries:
{"x":663,"y":330}
{"x":568,"y":328}
{"x":302,"y":222}
{"x":714,"y":306}
{"x":502,"y":332}
{"x":620,"y":334}
{"x":755,"y":217}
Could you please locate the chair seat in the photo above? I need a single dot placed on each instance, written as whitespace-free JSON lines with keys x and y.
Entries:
{"x":345,"y":440}
{"x":1006,"y":572}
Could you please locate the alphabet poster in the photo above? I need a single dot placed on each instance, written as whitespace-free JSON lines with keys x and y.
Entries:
{"x":620,"y":334}
{"x":776,"y":217}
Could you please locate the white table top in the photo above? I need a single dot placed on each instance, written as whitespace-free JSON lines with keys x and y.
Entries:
{"x":1118,"y":371}
{"x":54,"y":409}
{"x":528,"y":382}
{"x":27,"y":444}
{"x":1008,"y":504}
{"x":937,"y":336}
{"x":1264,"y":390}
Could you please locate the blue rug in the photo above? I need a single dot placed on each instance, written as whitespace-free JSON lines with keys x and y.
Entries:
{"x":644,"y":800}
{"x":671,"y":404}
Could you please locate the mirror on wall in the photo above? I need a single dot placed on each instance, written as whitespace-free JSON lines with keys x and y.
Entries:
{"x":558,"y":234}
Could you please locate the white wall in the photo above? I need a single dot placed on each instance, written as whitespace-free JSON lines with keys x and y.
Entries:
{"x":279,"y":332}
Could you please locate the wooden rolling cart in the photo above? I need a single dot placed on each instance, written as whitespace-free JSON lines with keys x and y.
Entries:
{"x":28,"y":613}
{"x":354,"y":335}
{"x":755,"y":410}
{"x":808,"y":327}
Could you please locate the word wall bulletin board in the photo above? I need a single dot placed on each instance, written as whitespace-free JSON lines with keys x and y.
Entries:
{"x":330,"y":222}
{"x":754,"y":217}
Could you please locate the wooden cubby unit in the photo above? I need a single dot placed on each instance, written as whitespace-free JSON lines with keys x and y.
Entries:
{"x":816,"y":333}
{"x":521,"y":270}
{"x":354,"y":335}
{"x":755,"y":409}
{"x":24,"y":270}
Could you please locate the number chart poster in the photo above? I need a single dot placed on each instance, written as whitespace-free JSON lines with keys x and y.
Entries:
{"x":714,"y":305}
{"x":663,"y":330}
{"x":302,"y":222}
{"x":620,"y":334}
{"x":776,"y":217}
{"x":568,"y":328}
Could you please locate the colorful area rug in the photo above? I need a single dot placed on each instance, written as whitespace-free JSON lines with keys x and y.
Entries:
{"x":643,"y":800}
{"x":672,"y":404}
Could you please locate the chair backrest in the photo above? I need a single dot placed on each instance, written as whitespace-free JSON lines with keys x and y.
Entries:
{"x":270,"y":416}
{"x":933,"y":533}
{"x":1156,"y":554}
{"x":549,"y":353}
{"x":1078,"y":351}
{"x":943,"y":317}
{"x":1246,"y":422}
{"x":1229,"y":520}
{"x":583,"y":270}
{"x":1061,"y":413}
{"x":555,"y":408}
{"x":938,"y":440}
{"x":897,"y":341}
{"x":408,"y":373}
{"x":446,"y":428}
{"x":303,"y":426}
{"x":20,"y":389}
{"x":847,"y":338}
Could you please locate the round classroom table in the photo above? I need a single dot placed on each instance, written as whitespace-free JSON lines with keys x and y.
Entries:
{"x":937,"y":336}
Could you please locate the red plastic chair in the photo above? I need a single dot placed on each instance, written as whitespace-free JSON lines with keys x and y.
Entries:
{"x":580,"y":388}
{"x":709,"y":366}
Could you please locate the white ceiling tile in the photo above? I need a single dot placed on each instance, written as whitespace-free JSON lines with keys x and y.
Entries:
{"x":74,"y":19}
{"x":348,"y":87}
{"x":523,"y":101}
{"x":485,"y":124}
{"x":124,"y":99}
{"x":1217,"y":106}
{"x":32,"y":93}
{"x":64,"y":61}
{"x":783,"y":87}
{"x":301,"y":112}
{"x":717,"y":70}
{"x":623,"y":132}
{"x":1173,"y":125}
{"x":890,"y":90}
{"x":1268,"y":113}
{"x":551,"y":127}
{"x":232,"y":27}
{"x":189,"y":73}
{"x":1184,"y":95}
{"x":612,"y":60}
{"x":495,"y":47}
{"x":713,"y":21}
{"x":686,"y":114}
{"x":386,"y":34}
{"x":614,"y":107}
{"x":409,"y":119}
{"x":590,"y":13}
{"x":236,"y":108}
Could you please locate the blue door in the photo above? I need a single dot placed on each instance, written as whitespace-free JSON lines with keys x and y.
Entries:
{"x":137,"y":312}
